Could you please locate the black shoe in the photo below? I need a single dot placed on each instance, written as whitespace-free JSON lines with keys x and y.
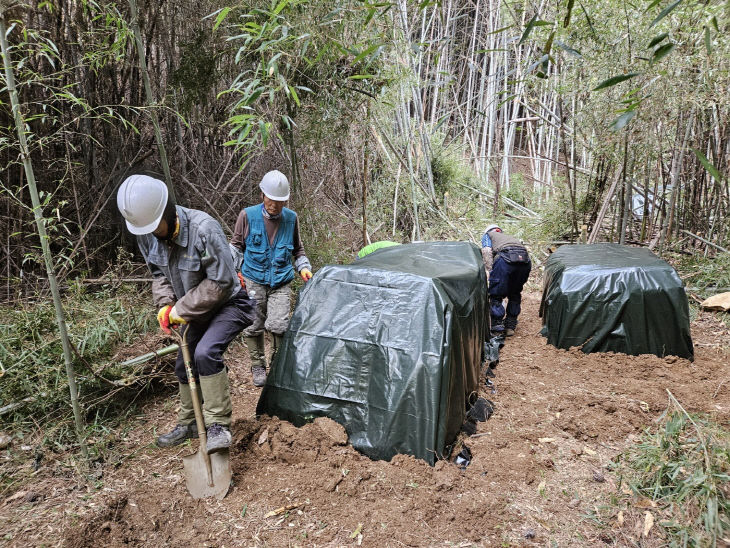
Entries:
{"x":259,"y":375}
{"x":219,"y":438}
{"x":179,"y":434}
{"x":490,"y":372}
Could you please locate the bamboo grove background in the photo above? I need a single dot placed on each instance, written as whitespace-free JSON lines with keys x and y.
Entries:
{"x":401,"y":120}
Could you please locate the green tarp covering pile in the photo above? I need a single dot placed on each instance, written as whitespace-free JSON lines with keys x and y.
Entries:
{"x":608,"y":297}
{"x":389,"y":346}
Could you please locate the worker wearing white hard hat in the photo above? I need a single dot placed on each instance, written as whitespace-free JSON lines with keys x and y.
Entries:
{"x":265,"y":241}
{"x":507,"y":264}
{"x":194,"y":283}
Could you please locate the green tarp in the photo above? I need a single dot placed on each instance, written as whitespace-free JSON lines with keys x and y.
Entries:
{"x":389,"y":346}
{"x":608,"y":297}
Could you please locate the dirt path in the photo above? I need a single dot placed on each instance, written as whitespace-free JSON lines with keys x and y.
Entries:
{"x":538,"y":473}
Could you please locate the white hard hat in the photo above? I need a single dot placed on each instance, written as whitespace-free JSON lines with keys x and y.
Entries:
{"x":275,"y":186}
{"x":141,"y":200}
{"x":491,"y":227}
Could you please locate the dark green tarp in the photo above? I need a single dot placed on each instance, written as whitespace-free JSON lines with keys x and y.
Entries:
{"x":609,"y":297}
{"x":389,"y":346}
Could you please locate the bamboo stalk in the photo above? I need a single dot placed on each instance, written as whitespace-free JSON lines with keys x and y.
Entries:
{"x":150,"y":355}
{"x":695,"y":236}
{"x":41,"y":226}
{"x":150,"y":98}
{"x":604,"y":207}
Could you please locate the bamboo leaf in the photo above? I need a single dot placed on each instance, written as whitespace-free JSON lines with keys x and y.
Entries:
{"x":714,"y":23}
{"x":500,"y":30}
{"x":666,"y":11}
{"x":219,"y":18}
{"x":590,"y":22}
{"x":708,"y":41}
{"x":549,"y":44}
{"x":371,"y":14}
{"x":661,"y":52}
{"x":615,"y":80}
{"x":568,"y":49}
{"x":653,"y":4}
{"x":534,"y":22}
{"x":657,"y":39}
{"x":569,"y":11}
{"x":280,"y":7}
{"x":711,"y":169}
{"x":294,"y":95}
{"x":502,"y":102}
{"x":621,"y":121}
{"x":264,"y":132}
{"x":542,"y":61}
{"x":365,"y":53}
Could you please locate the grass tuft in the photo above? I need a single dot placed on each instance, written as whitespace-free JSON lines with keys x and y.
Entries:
{"x":684,"y":468}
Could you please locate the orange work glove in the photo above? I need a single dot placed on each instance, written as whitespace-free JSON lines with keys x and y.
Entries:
{"x":163,"y":318}
{"x":168,"y":317}
{"x":306,"y":274}
{"x":175,"y":318}
{"x":240,"y":279}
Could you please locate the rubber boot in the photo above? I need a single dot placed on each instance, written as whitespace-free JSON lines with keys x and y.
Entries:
{"x":186,"y":427}
{"x":186,"y":414}
{"x":217,"y":410}
{"x":257,"y":352}
{"x":277,"y":341}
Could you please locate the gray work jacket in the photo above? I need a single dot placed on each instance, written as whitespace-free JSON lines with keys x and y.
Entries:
{"x":195,"y":270}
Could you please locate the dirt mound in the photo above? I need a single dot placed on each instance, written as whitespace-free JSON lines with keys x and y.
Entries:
{"x":539,"y":465}
{"x":290,"y":485}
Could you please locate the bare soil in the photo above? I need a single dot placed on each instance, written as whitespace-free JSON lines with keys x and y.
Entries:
{"x":538,"y":475}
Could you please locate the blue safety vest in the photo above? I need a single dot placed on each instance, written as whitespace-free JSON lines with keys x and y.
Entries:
{"x":266,"y":265}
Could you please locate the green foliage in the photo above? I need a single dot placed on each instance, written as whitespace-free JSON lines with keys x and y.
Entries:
{"x":326,"y":237}
{"x":684,"y":465}
{"x":554,"y":223}
{"x":197,"y":72}
{"x":292,"y":57}
{"x":517,"y":190}
{"x":609,"y":39}
{"x":448,"y":167}
{"x":704,"y":272}
{"x":30,"y":348}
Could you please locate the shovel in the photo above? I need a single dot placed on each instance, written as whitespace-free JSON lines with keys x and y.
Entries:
{"x":206,"y":475}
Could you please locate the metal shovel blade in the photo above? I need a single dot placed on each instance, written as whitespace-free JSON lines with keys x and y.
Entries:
{"x":196,"y":474}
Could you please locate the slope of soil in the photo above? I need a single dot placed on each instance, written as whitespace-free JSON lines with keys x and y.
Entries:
{"x":538,"y":473}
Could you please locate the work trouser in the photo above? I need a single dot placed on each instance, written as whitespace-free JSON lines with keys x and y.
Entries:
{"x":208,"y":341}
{"x":272,"y":308}
{"x":506,"y":280}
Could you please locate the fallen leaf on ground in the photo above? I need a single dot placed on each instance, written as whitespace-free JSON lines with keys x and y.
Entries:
{"x":644,"y":502}
{"x":282,"y":509}
{"x":264,"y":436}
{"x":648,"y":523}
{"x":356,"y":532}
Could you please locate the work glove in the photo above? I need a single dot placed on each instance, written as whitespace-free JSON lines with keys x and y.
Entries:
{"x":163,"y":318}
{"x":168,"y":317}
{"x":240,"y":279}
{"x":306,"y":274}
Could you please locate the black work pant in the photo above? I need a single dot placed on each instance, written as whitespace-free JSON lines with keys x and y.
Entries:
{"x":208,"y":341}
{"x":506,"y":280}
